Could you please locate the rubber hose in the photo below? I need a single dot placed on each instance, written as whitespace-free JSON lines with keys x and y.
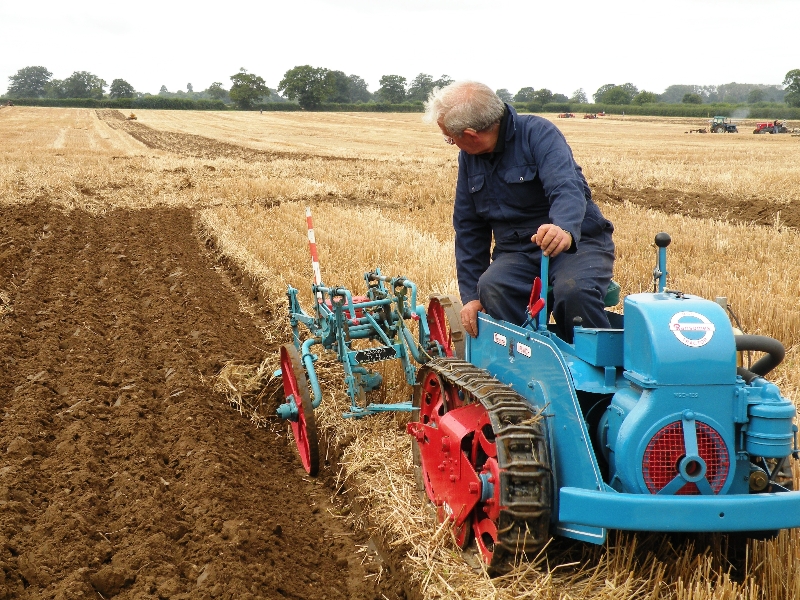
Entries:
{"x":760,"y":343}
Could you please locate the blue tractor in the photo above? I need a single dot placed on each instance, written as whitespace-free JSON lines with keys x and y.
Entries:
{"x":650,"y":426}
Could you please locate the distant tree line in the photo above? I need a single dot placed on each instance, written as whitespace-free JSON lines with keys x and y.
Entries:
{"x":729,"y":93}
{"x":314,"y":88}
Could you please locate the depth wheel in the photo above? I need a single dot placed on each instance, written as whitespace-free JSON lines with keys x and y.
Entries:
{"x":304,"y":427}
{"x":444,"y":322}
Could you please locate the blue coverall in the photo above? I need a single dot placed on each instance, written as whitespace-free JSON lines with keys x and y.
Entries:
{"x":530,"y":179}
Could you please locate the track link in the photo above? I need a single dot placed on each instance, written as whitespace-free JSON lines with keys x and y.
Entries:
{"x":523,"y":458}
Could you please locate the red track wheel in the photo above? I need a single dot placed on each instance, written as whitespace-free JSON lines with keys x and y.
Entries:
{"x":304,"y":427}
{"x":483,"y":460}
{"x":444,"y":322}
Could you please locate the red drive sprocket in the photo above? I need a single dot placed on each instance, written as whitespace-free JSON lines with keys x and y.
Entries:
{"x":482,"y":458}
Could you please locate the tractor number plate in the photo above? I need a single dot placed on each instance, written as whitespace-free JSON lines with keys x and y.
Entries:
{"x":375,"y":354}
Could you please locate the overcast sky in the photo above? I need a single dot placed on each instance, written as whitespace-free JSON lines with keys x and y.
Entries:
{"x":561,"y":46}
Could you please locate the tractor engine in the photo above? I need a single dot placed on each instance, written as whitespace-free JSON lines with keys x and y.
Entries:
{"x":690,"y":421}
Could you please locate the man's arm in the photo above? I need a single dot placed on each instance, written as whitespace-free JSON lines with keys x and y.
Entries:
{"x":564,"y":187}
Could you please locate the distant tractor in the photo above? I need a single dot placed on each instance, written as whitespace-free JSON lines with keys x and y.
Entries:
{"x":722,"y":125}
{"x":566,"y":116}
{"x":771,"y":127}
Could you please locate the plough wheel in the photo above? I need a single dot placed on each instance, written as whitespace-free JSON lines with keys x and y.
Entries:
{"x":502,"y":441}
{"x":444,"y":322}
{"x":304,"y":427}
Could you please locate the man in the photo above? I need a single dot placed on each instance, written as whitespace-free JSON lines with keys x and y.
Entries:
{"x":518,"y":182}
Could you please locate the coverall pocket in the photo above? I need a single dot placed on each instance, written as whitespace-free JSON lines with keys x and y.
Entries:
{"x":520,"y":174}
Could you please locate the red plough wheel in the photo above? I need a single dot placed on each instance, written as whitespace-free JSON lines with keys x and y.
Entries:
{"x":444,"y":322}
{"x":304,"y":426}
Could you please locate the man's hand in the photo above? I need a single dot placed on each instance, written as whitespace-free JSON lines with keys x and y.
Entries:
{"x":469,"y":316}
{"x":552,"y":240}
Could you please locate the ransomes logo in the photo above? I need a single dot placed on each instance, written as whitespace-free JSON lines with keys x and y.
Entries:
{"x":692,"y":329}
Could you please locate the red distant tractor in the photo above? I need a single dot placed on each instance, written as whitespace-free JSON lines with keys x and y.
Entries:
{"x":771,"y":127}
{"x":566,"y":116}
{"x":590,"y":116}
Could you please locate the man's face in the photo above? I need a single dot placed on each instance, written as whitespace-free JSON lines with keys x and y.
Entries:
{"x":471,"y":141}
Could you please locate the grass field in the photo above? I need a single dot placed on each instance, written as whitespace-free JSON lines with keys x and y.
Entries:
{"x":381,"y":190}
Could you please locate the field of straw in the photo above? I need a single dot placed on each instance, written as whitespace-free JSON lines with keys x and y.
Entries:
{"x":380,"y":187}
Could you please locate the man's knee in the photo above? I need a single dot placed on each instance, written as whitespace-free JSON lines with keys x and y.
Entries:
{"x":572,"y":292}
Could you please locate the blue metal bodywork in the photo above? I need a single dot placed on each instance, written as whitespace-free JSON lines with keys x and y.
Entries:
{"x":672,"y":365}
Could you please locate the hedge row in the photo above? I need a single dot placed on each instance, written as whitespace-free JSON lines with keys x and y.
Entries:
{"x":701,"y":111}
{"x":329,"y":107}
{"x":122,"y":103}
{"x":740,"y":111}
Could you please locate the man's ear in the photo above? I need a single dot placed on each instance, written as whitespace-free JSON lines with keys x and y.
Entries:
{"x":470,"y":133}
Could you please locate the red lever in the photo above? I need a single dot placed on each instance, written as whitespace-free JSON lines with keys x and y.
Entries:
{"x":536,"y":303}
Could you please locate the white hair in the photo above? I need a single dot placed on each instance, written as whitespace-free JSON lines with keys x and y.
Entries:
{"x":463,"y":105}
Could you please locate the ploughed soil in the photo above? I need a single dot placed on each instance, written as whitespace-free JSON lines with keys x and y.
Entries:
{"x":122,"y":472}
{"x":748,"y":211}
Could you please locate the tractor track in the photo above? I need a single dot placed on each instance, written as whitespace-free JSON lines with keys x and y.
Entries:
{"x":523,"y":457}
{"x":122,"y":472}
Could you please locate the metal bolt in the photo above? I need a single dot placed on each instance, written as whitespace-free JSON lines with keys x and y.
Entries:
{"x":474,"y":488}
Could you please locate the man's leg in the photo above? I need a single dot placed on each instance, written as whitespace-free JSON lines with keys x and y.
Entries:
{"x":505,"y":287}
{"x":580,"y":282}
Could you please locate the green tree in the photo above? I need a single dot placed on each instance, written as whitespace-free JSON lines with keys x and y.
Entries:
{"x":121,"y":89}
{"x":504,"y":95}
{"x":524,"y":95}
{"x":443,"y":81}
{"x":579,"y":96}
{"x":358,"y":89}
{"x":542,"y":96}
{"x":675,"y":93}
{"x":55,"y":89}
{"x":247,"y":88}
{"x":163,"y":91}
{"x":756,"y":95}
{"x":393,"y":89}
{"x":644,"y":97}
{"x":306,"y":84}
{"x":559,"y":98}
{"x":82,"y":84}
{"x":339,"y":87}
{"x":692,"y":99}
{"x":189,"y":88}
{"x":630,"y":89}
{"x":29,"y":82}
{"x":216,"y":92}
{"x":602,"y":90}
{"x":616,"y":94}
{"x":420,"y":88}
{"x":792,"y":83}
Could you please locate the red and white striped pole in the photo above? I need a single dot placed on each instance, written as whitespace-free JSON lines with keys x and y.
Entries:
{"x":312,"y":244}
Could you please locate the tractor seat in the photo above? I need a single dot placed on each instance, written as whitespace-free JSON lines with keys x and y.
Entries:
{"x":612,"y":295}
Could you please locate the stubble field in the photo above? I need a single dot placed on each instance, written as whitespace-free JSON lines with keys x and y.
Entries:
{"x":124,"y":470}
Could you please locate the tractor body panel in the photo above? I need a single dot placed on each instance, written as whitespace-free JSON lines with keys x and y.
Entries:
{"x":639,"y":512}
{"x":677,"y":443}
{"x":533,"y":365}
{"x":677,"y":341}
